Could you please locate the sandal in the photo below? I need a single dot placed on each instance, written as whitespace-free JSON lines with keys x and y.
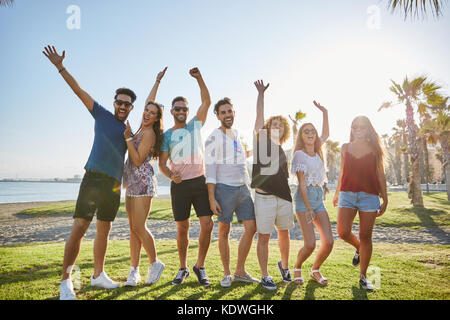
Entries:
{"x":322,"y":281}
{"x":298,"y":280}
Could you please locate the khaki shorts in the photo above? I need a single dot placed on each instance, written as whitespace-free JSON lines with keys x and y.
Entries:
{"x":271,"y":211}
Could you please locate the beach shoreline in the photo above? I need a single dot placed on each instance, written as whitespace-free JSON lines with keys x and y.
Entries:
{"x":9,"y":210}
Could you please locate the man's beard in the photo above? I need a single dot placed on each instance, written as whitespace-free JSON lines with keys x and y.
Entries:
{"x":227,"y":126}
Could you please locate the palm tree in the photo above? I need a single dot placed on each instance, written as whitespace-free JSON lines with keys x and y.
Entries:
{"x":417,"y":91}
{"x":439,"y":127}
{"x":401,"y":134}
{"x":332,"y":158}
{"x":392,"y":145}
{"x":413,"y":7}
{"x":299,"y":115}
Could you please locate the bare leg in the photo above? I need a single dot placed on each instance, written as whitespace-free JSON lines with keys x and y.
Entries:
{"x":135,"y":243}
{"x":262,"y":250}
{"x":140,"y":207}
{"x":183,"y":241}
{"x":224,"y":246}
{"x":344,"y":226}
{"x":284,"y":245}
{"x":323,"y":225}
{"x":245,"y":243}
{"x":204,"y":239}
{"x":73,"y":245}
{"x":309,"y":242}
{"x":366,"y":223}
{"x":100,"y":246}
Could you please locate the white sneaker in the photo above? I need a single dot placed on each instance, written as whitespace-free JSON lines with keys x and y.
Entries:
{"x":226,"y":281}
{"x":66,"y":290}
{"x":154,"y":272}
{"x":133,"y":278}
{"x":103,"y":281}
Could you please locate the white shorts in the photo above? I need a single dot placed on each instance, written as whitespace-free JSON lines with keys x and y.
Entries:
{"x":271,"y":211}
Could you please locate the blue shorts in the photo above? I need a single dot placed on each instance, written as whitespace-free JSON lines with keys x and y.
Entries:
{"x":315,"y":197}
{"x":360,"y":201}
{"x":234,"y":199}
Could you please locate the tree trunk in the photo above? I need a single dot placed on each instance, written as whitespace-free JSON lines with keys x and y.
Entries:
{"x":446,"y":158}
{"x":426,"y":163}
{"x":416,"y":190}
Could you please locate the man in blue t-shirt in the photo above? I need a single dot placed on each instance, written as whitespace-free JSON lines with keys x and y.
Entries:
{"x":100,"y":188}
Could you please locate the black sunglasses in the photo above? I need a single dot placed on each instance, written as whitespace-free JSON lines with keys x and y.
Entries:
{"x":177,"y":109}
{"x":126,"y":103}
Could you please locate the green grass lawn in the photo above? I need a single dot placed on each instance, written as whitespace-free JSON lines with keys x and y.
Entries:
{"x":32,"y":271}
{"x":400,"y":212}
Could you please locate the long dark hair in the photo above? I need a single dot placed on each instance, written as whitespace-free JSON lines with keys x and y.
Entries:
{"x":158,"y":128}
{"x":372,"y":138}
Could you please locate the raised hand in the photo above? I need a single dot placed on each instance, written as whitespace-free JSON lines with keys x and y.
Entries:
{"x":161,"y":74}
{"x":194,"y":72}
{"x":319,"y":106}
{"x":259,"y":84}
{"x":53,"y":56}
{"x":127,"y":132}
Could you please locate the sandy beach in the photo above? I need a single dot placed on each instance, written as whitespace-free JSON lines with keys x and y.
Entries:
{"x":16,"y":228}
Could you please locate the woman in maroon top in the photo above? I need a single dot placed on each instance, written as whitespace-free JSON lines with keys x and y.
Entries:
{"x":361,"y":183}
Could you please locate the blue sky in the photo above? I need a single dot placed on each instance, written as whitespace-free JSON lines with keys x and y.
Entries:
{"x":321,"y":50}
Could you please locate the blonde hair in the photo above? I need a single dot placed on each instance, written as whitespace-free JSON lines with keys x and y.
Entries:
{"x":284,"y":122}
{"x":300,"y":144}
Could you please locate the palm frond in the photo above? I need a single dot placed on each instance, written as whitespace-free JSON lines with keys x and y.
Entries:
{"x":385,"y":105}
{"x":416,"y":8}
{"x":6,"y":3}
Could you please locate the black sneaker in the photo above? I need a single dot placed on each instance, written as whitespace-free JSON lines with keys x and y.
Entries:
{"x":182,"y":275}
{"x":201,"y":276}
{"x":285,"y":273}
{"x":365,"y":284}
{"x":355,"y":261}
{"x":268,"y":283}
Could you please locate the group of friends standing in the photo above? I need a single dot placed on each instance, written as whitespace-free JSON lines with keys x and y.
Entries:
{"x":214,"y":179}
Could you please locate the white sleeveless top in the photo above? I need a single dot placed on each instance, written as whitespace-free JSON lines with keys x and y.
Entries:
{"x":312,"y":167}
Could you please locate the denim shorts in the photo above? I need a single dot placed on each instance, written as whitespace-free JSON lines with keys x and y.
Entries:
{"x":234,"y":199}
{"x":315,"y":197}
{"x":361,"y":201}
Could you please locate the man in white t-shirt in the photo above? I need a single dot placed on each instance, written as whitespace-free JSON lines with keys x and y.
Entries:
{"x":227,"y":180}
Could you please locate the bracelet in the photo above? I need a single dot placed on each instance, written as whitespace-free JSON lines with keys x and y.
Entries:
{"x":61,"y":70}
{"x":129,"y":139}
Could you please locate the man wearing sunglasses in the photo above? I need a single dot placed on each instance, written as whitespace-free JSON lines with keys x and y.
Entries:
{"x":183,"y":146}
{"x":100,"y":187}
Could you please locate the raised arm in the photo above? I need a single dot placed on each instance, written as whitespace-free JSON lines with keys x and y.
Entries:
{"x":154,"y":91}
{"x":259,"y":123}
{"x":204,"y":93}
{"x":57,"y":60}
{"x":325,"y":124}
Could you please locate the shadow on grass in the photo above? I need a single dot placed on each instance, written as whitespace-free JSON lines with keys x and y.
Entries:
{"x":359,"y":294}
{"x":311,"y":288}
